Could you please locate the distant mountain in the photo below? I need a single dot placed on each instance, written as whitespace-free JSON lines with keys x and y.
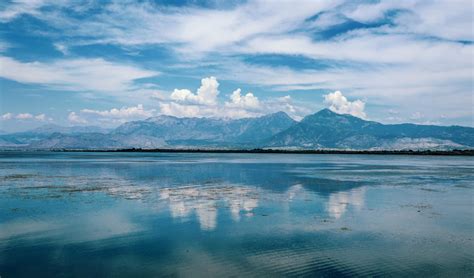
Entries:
{"x":26,"y":138}
{"x":96,"y":141}
{"x":208,"y":131}
{"x":322,"y":130}
{"x":257,"y":130}
{"x":326,"y":129}
{"x":52,"y":128}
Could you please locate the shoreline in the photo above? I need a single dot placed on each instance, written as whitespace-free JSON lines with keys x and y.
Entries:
{"x":268,"y":151}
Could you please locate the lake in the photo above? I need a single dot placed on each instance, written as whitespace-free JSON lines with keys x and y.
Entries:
{"x":245,"y":215}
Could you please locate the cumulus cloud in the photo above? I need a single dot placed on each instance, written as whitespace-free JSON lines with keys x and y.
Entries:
{"x":75,"y":119}
{"x":244,"y":101}
{"x":180,"y":110}
{"x":25,"y":116}
{"x":205,"y":103}
{"x":183,"y":103}
{"x":339,"y":104}
{"x":287,"y":101}
{"x":206,"y":93}
{"x":7,"y":116}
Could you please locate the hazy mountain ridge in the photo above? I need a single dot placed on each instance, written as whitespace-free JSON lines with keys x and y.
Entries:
{"x":34,"y":136}
{"x":210,"y":130}
{"x":322,"y":130}
{"x":326,"y":129}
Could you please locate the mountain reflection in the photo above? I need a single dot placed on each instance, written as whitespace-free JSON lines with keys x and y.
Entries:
{"x":204,"y":202}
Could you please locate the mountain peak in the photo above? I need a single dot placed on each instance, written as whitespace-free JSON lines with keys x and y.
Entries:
{"x":279,"y":114}
{"x":327,"y":117}
{"x":326,"y":111}
{"x":322,"y":114}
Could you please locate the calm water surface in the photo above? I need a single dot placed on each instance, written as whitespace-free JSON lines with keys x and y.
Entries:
{"x":192,"y":215}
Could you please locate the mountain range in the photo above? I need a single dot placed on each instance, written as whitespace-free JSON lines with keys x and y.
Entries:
{"x":322,"y":130}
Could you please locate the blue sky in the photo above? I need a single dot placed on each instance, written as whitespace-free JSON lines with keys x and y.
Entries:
{"x":106,"y":62}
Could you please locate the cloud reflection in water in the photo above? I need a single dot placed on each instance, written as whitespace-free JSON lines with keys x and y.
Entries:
{"x":338,"y":202}
{"x":205,"y":200}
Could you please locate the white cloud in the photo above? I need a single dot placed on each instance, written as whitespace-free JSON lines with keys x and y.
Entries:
{"x":183,"y":103}
{"x":339,"y":104}
{"x":7,"y":116}
{"x":244,"y":101}
{"x":20,"y":7}
{"x":96,"y":75}
{"x":75,"y":119}
{"x":326,"y":20}
{"x":420,"y":53}
{"x":371,"y":12}
{"x":443,"y":19}
{"x":199,"y":31}
{"x":41,"y":117}
{"x":61,"y":48}
{"x":110,"y":117}
{"x":416,"y":116}
{"x":24,"y":116}
{"x":195,"y":30}
{"x":206,"y":94}
{"x":237,"y":106}
{"x":204,"y":103}
{"x":366,"y":46}
{"x":214,"y":111}
{"x":287,"y":101}
{"x":383,"y":84}
{"x":180,"y":110}
{"x":132,"y":112}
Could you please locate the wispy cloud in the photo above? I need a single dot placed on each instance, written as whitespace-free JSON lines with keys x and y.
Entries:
{"x":96,"y":75}
{"x":110,"y":117}
{"x":20,"y":7}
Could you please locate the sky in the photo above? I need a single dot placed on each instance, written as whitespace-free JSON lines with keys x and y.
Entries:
{"x":103,"y":63}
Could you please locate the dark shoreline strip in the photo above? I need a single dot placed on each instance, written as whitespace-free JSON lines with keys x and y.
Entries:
{"x":276,"y":151}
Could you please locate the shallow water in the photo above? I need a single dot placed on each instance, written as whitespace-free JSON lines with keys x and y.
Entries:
{"x":152,"y":214}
